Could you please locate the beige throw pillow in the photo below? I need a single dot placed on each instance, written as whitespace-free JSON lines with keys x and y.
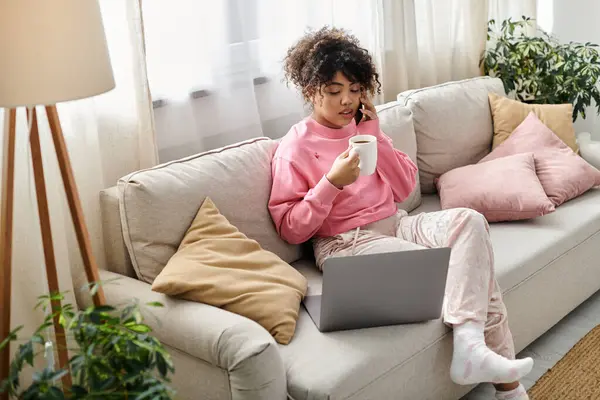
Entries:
{"x":218,"y":265}
{"x":507,"y":114}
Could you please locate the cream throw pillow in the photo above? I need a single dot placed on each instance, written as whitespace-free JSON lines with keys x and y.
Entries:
{"x":507,"y":114}
{"x":218,"y":265}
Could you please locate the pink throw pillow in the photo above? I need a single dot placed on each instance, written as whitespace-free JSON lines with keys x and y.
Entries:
{"x":563,"y":174}
{"x":506,"y":189}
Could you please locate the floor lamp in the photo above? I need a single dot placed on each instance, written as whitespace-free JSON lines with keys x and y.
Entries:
{"x":50,"y":52}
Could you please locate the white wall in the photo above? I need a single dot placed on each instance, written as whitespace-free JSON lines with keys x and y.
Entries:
{"x":575,"y":20}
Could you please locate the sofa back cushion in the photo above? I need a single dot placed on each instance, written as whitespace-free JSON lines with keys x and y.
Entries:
{"x":453,"y":125}
{"x":395,"y":121}
{"x":157,"y":205}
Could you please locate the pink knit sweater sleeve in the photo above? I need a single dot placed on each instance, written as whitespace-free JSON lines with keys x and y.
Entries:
{"x":297,"y":209}
{"x":394,"y":167}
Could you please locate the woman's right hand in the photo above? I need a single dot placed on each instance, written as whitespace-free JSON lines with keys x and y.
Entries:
{"x":344,"y":170}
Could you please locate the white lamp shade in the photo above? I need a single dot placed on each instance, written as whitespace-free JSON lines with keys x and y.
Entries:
{"x":52,"y":51}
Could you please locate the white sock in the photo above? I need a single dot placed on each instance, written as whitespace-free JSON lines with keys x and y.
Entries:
{"x":473,"y":362}
{"x":516,"y":394}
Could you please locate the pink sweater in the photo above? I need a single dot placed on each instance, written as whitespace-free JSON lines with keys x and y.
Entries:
{"x":304,"y":203}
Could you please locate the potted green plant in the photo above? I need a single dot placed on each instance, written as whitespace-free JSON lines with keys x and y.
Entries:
{"x":113,"y":357}
{"x":539,"y":69}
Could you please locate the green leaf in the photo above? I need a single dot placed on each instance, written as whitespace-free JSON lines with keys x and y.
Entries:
{"x":94,"y":289}
{"x":139,"y":328}
{"x":150,"y":392}
{"x":76,"y":363}
{"x":539,"y":69}
{"x":137,"y":315}
{"x":43,"y":327}
{"x":90,"y":331}
{"x":90,"y":350}
{"x":114,"y":356}
{"x":43,"y":303}
{"x":12,"y":336}
{"x":161,"y":364}
{"x":96,"y":318}
{"x":57,"y":296}
{"x":94,"y":286}
{"x":54,"y":393}
{"x":37,"y":338}
{"x":107,"y":383}
{"x":155,"y":304}
{"x":62,"y":320}
{"x":26,"y":352}
{"x":78,"y":391}
{"x":58,"y":374}
{"x":143,"y":345}
{"x":103,"y":309}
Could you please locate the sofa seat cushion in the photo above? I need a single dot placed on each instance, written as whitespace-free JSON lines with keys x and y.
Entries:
{"x":340,"y":364}
{"x":522,"y":248}
{"x":336,"y":365}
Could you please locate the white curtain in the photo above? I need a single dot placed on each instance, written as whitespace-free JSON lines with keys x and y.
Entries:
{"x":426,"y":42}
{"x":502,"y":9}
{"x":215,"y":65}
{"x":107,"y":137}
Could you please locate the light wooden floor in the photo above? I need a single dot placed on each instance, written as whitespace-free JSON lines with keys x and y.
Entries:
{"x":553,"y":345}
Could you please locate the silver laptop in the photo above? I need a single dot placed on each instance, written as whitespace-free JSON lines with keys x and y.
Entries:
{"x":380,"y":289}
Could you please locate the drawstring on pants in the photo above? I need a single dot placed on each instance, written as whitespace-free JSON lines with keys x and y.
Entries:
{"x":355,"y":239}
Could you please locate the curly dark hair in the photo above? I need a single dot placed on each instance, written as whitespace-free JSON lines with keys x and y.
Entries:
{"x":317,"y":56}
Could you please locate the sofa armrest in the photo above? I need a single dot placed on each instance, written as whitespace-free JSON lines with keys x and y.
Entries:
{"x":229,"y":341}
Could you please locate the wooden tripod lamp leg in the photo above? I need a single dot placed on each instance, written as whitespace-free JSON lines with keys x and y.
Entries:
{"x":6,"y":225}
{"x":83,"y":236}
{"x":49,"y":257}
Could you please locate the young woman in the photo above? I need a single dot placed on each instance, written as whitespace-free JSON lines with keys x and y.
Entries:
{"x":318,"y":194}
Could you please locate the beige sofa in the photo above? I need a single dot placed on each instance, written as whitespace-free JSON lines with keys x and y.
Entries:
{"x":546,"y":266}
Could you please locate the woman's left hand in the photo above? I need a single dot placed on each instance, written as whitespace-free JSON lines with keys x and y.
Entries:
{"x":368,"y":109}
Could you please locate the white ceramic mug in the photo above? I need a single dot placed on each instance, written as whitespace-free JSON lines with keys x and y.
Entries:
{"x":366,"y":147}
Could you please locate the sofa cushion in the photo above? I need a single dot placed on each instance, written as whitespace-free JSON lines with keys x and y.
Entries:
{"x":336,"y":365}
{"x":395,"y":121}
{"x":348,"y":363}
{"x":563,"y":174}
{"x":505,"y":189}
{"x":522,"y":248}
{"x":453,"y":125}
{"x":157,"y":205}
{"x":216,"y":264}
{"x":508,"y":114}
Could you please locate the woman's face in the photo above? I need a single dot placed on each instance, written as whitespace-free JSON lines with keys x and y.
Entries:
{"x":336,"y":103}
